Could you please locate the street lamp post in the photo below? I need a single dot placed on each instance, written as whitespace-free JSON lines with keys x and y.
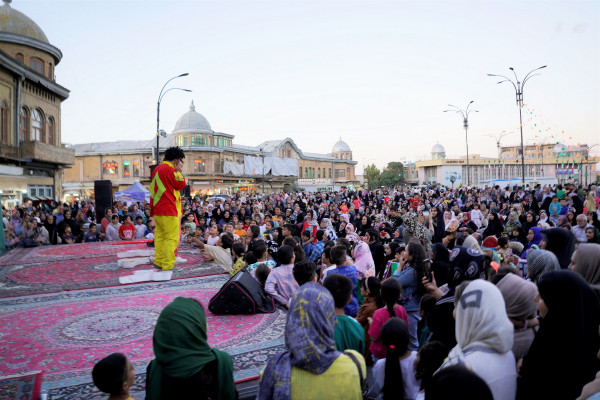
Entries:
{"x":465,"y":116}
{"x":587,"y":159}
{"x":262,"y":155}
{"x":160,"y":97}
{"x":498,"y":137}
{"x":519,"y":97}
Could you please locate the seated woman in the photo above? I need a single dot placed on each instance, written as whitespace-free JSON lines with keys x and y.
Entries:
{"x":311,"y":366}
{"x":484,"y":336}
{"x":185,"y":366}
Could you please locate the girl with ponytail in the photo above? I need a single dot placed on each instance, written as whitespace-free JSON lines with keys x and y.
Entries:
{"x":394,"y":375}
{"x":391,"y":291}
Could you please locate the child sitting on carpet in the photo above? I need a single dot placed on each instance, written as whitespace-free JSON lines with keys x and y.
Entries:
{"x":220,"y":253}
{"x":238,"y":254}
{"x":348,"y":333}
{"x":114,"y":375}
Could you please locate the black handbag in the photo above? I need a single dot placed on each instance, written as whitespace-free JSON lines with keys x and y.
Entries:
{"x":241,"y":294}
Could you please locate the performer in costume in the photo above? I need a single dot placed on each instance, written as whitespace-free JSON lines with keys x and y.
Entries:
{"x":165,"y":207}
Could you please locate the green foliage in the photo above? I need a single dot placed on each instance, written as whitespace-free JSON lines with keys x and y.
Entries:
{"x":390,"y":178}
{"x":372,"y":176}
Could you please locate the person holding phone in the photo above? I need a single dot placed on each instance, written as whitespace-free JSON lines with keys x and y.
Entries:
{"x":413,"y":267}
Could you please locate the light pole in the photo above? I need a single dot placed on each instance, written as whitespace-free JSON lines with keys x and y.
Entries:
{"x":465,"y":116}
{"x":160,"y":97}
{"x":498,"y":137}
{"x":262,"y":155}
{"x":519,"y":97}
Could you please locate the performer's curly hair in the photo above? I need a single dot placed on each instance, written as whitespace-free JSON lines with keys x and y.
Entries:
{"x":174,"y":153}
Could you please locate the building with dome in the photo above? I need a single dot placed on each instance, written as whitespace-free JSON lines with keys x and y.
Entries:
{"x":547,"y":163}
{"x":438,"y":152}
{"x":32,"y":156}
{"x":213,"y":164}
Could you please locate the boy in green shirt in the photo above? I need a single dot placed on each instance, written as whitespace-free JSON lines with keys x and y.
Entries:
{"x":348,"y":334}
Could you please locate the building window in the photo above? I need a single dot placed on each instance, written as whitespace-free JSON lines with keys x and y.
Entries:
{"x":215,"y":141}
{"x":40,"y":191}
{"x":20,"y":58}
{"x":199,"y":166}
{"x":24,"y":124}
{"x":110,"y":167}
{"x":37,"y":65}
{"x":4,"y":123}
{"x":329,"y":173}
{"x":340,"y":173}
{"x":185,"y":142}
{"x":319,"y":173}
{"x":300,"y":172}
{"x":50,"y":71}
{"x":37,"y":126}
{"x":220,"y":142}
{"x":136,"y":168}
{"x":51,"y":130}
{"x":126,"y":173}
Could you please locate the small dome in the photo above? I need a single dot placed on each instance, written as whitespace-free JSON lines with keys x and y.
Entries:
{"x":559,"y":148}
{"x":17,"y":23}
{"x":192,"y":122}
{"x":438,"y":148}
{"x":340,"y":146}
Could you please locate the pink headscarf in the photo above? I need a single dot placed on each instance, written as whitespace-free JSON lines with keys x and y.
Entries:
{"x":363,"y":260}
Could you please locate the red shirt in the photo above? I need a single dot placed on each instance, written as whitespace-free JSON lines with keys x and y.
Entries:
{"x":165,"y":198}
{"x":415,"y":203}
{"x":128,"y":232}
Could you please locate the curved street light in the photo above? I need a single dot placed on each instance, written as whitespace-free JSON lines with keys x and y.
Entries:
{"x":160,"y":97}
{"x":518,"y":86}
{"x":587,"y":159}
{"x":465,"y":115}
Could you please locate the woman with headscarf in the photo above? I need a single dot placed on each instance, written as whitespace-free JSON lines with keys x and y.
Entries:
{"x":363,"y":260}
{"x":534,"y":237}
{"x":519,"y":235}
{"x":472,"y":243}
{"x":465,"y":265}
{"x":185,"y":366}
{"x":530,"y":221}
{"x":590,"y":203}
{"x":436,"y":225}
{"x":494,"y":226}
{"x":539,"y":262}
{"x":341,"y":232}
{"x":586,"y":262}
{"x":327,"y":226}
{"x":363,"y":225}
{"x":412,"y":229}
{"x":561,"y":242}
{"x":511,"y":223}
{"x":484,"y":337}
{"x":311,"y":365}
{"x":50,"y":226}
{"x":562,"y":357}
{"x":519,"y":298}
{"x":351,"y":235}
{"x":311,"y":224}
{"x":467,"y":222}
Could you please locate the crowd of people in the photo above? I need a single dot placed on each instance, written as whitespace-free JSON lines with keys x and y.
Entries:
{"x":473,"y":293}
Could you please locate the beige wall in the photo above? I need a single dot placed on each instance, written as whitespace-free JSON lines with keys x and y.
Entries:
{"x":12,"y":49}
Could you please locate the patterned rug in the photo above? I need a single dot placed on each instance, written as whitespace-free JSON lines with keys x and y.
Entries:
{"x":21,"y":387}
{"x":76,"y":270}
{"x":64,"y":334}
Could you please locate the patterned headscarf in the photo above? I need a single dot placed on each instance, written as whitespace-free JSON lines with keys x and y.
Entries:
{"x":351,"y":235}
{"x":309,"y":339}
{"x":363,"y":260}
{"x":412,"y":226}
{"x":540,"y":261}
{"x":465,"y":264}
{"x":329,"y":229}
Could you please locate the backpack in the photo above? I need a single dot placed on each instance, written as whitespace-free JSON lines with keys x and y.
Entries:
{"x":241,"y":294}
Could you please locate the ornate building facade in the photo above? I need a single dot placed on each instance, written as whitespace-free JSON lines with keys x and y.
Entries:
{"x":32,"y":156}
{"x":213,"y":163}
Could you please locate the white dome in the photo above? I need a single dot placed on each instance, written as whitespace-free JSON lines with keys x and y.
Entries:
{"x":438,"y":148}
{"x":559,"y":148}
{"x":192,"y":122}
{"x":340,"y":146}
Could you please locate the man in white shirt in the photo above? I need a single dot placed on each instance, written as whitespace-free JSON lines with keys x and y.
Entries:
{"x":579,"y":228}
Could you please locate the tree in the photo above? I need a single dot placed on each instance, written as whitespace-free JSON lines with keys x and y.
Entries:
{"x":390,"y":178}
{"x":372,"y":176}
{"x":397,"y":168}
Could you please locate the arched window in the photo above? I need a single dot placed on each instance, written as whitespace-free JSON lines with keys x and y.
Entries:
{"x":20,"y":58}
{"x":300,"y":172}
{"x":323,"y":173}
{"x":23,"y":124}
{"x":110,"y":167}
{"x":4,"y":123}
{"x":319,"y":173}
{"x":37,"y":65}
{"x":126,"y":169}
{"x":136,"y":168}
{"x":329,"y":173}
{"x":50,"y":130}
{"x":37,"y":126}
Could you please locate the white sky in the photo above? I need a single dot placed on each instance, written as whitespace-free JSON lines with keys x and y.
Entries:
{"x":377,"y":73}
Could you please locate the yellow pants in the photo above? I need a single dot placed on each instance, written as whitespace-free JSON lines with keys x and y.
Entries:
{"x":166,"y":240}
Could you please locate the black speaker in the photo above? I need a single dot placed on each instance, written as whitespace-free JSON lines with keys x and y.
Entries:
{"x":104,"y":198}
